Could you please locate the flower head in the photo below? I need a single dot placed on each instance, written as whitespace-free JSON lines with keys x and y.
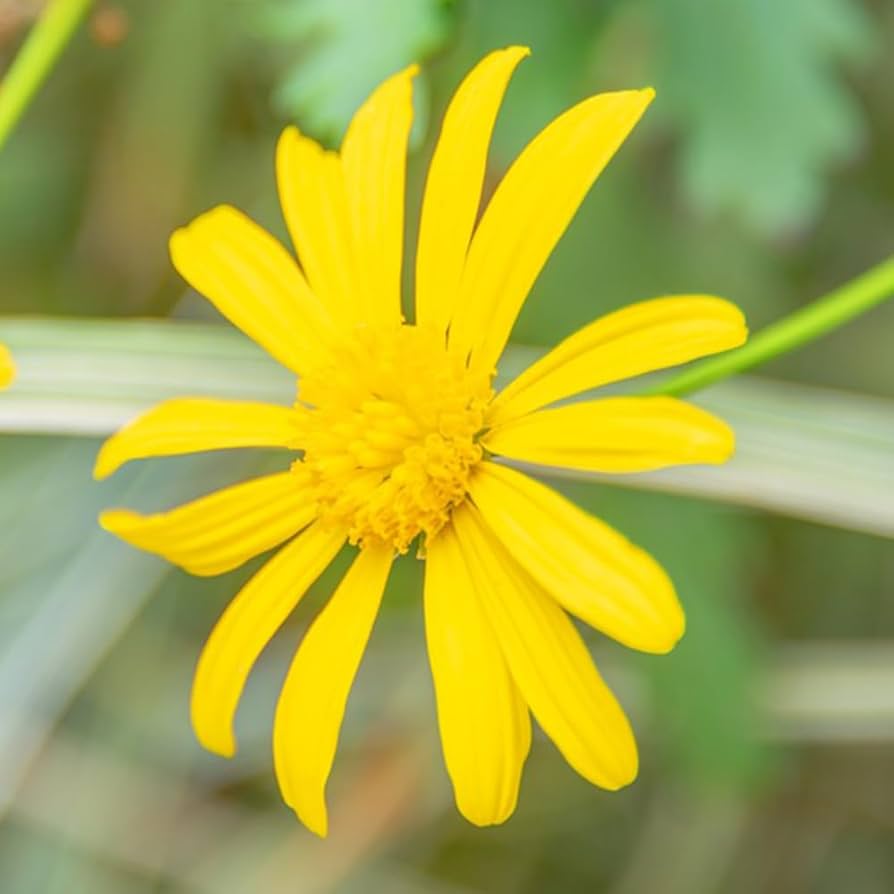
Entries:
{"x":390,"y":434}
{"x":399,"y":439}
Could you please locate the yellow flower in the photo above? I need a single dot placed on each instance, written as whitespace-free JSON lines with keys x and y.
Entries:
{"x":399,"y":436}
{"x":7,"y":368}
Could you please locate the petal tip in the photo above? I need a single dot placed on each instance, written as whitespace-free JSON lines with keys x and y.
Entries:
{"x":289,"y":132}
{"x":225,"y":750}
{"x":669,"y":636}
{"x":7,"y":368}
{"x":288,"y":139}
{"x":177,"y":246}
{"x":221,"y":743}
{"x":628,"y":774}
{"x":485,"y":816}
{"x":727,"y":450}
{"x":617,"y":770}
{"x":110,"y":520}
{"x":516,"y":51}
{"x":106,"y":462}
{"x":219,"y":214}
{"x":731,"y":314}
{"x":626,"y":763}
{"x":670,"y":619}
{"x":213,"y":733}
{"x":721,"y":443}
{"x":316,"y":822}
{"x":292,"y":140}
{"x":199,"y":570}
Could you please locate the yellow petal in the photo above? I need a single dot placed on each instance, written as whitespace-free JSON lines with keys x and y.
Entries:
{"x":315,"y":206}
{"x":615,"y":434}
{"x":585,"y":565}
{"x":453,"y":188}
{"x":254,"y":282}
{"x":312,"y":704}
{"x":245,"y":628}
{"x":221,"y":531}
{"x":530,"y":211}
{"x":485,"y":727}
{"x":7,"y":367}
{"x":549,"y":662}
{"x":640,"y":338}
{"x":191,"y":425}
{"x":374,"y":158}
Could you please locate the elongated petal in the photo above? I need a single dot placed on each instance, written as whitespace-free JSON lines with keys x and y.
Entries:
{"x":615,"y":434}
{"x":191,"y":425}
{"x":374,"y":157}
{"x":550,"y":662}
{"x":312,"y":704}
{"x":589,"y":568}
{"x":7,"y":367}
{"x":530,"y":211}
{"x":254,"y":282}
{"x":315,"y":206}
{"x":453,"y":188}
{"x":223,"y":530}
{"x":638,"y":339}
{"x":485,"y":727}
{"x":245,"y":628}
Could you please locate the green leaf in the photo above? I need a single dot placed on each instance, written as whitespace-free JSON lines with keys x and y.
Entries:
{"x":346,"y":48}
{"x":761,"y":110}
{"x":811,"y":453}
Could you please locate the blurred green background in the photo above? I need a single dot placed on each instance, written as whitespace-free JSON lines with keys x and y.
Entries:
{"x":764,"y":172}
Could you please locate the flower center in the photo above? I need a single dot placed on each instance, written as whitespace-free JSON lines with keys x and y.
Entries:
{"x":389,"y":432}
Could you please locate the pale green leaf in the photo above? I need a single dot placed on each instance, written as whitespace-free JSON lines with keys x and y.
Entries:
{"x":345,"y":48}
{"x":807,"y":452}
{"x":759,"y":99}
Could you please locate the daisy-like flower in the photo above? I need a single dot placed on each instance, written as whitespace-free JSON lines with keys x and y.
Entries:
{"x":399,"y":440}
{"x":7,"y":367}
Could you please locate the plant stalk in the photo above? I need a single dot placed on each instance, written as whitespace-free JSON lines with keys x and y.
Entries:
{"x":822,"y":316}
{"x":34,"y":61}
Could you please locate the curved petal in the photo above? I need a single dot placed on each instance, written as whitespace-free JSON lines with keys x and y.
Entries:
{"x":313,"y":700}
{"x":315,"y":205}
{"x":7,"y":367}
{"x":615,"y":434}
{"x":453,"y":187}
{"x":255,"y":283}
{"x":191,"y":425}
{"x":637,"y":339}
{"x":245,"y":628}
{"x":223,"y":530}
{"x":374,"y":159}
{"x":528,"y":214}
{"x":585,"y":565}
{"x":484,"y":722}
{"x":550,"y":662}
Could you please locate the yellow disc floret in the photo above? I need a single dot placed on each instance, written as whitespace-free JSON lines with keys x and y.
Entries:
{"x":389,"y":433}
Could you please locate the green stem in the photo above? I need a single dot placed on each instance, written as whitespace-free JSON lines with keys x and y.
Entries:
{"x":803,"y":326}
{"x":35,"y":59}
